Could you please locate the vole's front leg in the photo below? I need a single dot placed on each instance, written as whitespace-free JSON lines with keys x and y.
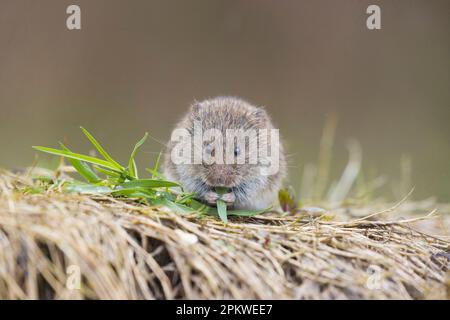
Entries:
{"x":211,"y":198}
{"x":229,"y":198}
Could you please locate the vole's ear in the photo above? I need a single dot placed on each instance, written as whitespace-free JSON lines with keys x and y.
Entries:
{"x":195,"y":108}
{"x":195,"y":112}
{"x":260,"y":113}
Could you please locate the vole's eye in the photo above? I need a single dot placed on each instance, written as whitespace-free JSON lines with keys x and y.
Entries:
{"x":209,"y":149}
{"x":237,"y":151}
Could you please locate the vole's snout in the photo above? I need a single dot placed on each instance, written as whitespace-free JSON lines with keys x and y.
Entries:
{"x":220,"y":175}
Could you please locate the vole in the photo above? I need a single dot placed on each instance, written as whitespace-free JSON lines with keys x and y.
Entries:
{"x":250,"y":185}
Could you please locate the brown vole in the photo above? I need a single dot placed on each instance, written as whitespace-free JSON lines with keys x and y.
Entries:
{"x":250,"y":185}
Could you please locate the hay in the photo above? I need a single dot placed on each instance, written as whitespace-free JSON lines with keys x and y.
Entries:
{"x":127,"y":250}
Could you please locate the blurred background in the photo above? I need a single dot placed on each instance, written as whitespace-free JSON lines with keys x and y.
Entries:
{"x":135,"y":66}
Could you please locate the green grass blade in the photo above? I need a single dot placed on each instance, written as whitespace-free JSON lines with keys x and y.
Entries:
{"x":82,"y":168}
{"x":222,"y":210}
{"x":131,"y":164}
{"x":86,"y":188}
{"x":101,"y":150}
{"x":155,"y":172}
{"x":133,"y":193}
{"x":107,"y":172}
{"x":222,"y":190}
{"x":176,"y":207}
{"x":135,"y":170}
{"x":76,"y":156}
{"x":148,"y":183}
{"x":186,"y":197}
{"x":246,"y":213}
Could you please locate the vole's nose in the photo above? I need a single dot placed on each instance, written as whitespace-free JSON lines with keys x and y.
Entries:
{"x":221,"y":175}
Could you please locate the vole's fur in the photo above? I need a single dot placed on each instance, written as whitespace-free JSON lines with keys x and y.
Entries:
{"x":248,"y":188}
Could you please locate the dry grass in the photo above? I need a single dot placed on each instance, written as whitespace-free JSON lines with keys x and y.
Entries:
{"x":127,"y":250}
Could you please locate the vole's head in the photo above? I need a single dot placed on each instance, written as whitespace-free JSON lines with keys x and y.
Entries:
{"x":230,"y":143}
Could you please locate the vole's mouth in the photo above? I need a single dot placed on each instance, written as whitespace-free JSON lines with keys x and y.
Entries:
{"x":239,"y":190}
{"x":213,"y":186}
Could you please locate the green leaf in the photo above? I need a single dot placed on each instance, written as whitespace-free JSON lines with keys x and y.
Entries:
{"x":287,"y":199}
{"x":82,"y":168}
{"x":85,"y":188}
{"x":222,"y":190}
{"x":187,"y":197}
{"x":131,"y":164}
{"x":176,"y":207}
{"x":246,"y":213}
{"x":155,"y":174}
{"x":222,"y":210}
{"x":154,"y":171}
{"x":133,"y":193}
{"x":76,"y":156}
{"x":107,"y":172}
{"x":148,"y":183}
{"x":134,"y":169}
{"x":33,"y":190}
{"x":101,"y":150}
{"x":198,"y":206}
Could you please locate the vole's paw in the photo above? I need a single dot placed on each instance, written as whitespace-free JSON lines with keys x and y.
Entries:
{"x":229,"y":198}
{"x":211,"y":198}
